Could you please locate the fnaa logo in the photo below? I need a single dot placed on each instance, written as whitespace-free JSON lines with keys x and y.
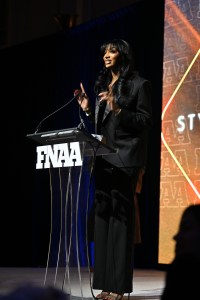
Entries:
{"x":58,"y":155}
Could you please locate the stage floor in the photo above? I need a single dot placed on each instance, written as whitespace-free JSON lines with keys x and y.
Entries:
{"x":147,"y":284}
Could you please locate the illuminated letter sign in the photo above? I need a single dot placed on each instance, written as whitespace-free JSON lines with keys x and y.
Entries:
{"x":58,"y":155}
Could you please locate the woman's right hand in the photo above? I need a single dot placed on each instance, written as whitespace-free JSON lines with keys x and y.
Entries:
{"x":83,"y":99}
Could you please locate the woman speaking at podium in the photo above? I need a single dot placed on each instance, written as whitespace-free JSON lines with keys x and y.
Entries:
{"x":123,"y":117}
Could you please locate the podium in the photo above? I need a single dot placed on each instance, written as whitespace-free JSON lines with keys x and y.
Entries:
{"x":74,"y":195}
{"x":74,"y":134}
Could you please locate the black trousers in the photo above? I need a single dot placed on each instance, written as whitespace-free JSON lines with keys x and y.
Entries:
{"x":114,"y":229}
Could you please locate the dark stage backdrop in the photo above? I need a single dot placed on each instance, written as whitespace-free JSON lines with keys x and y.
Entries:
{"x":40,"y":76}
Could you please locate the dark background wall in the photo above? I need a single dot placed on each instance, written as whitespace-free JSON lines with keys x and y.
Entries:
{"x":39,"y":76}
{"x":25,"y":20}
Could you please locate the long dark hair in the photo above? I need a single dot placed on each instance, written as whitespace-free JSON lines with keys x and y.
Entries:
{"x":125,"y":66}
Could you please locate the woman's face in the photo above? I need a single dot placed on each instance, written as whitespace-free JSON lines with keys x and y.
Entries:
{"x":111,"y":57}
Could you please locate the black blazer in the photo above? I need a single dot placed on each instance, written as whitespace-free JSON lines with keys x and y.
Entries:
{"x":128,"y":131}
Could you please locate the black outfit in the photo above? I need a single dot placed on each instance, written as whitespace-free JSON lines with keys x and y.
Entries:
{"x":116,"y":177}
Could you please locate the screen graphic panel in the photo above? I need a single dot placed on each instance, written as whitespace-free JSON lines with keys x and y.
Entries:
{"x":180,"y":136}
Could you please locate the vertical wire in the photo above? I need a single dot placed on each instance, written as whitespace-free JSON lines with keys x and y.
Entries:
{"x":51,"y":225}
{"x":67,"y":252}
{"x":60,"y":239}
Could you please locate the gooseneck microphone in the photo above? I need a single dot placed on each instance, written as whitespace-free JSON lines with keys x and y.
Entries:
{"x":77,"y":93}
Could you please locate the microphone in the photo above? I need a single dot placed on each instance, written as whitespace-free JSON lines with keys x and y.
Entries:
{"x":76,"y":95}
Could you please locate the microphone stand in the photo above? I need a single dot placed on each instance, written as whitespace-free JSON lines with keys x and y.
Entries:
{"x":39,"y":125}
{"x":82,"y":125}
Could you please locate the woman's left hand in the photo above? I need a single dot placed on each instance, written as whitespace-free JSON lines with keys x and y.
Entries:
{"x":108,"y":97}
